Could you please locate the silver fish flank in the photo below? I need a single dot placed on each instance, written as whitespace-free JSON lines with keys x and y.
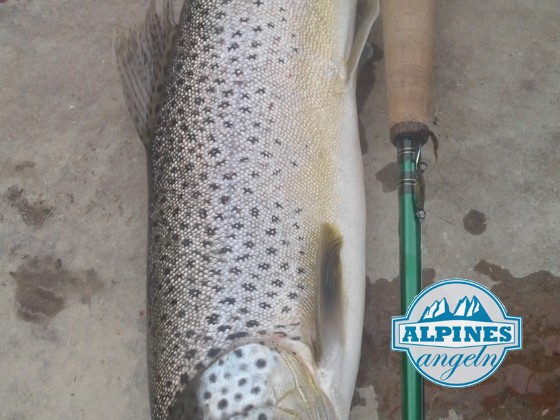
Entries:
{"x":256,"y":205}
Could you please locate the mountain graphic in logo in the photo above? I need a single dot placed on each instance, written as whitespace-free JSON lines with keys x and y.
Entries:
{"x":466,"y":309}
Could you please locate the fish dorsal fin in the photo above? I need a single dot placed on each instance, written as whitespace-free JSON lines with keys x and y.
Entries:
{"x":330,"y":297}
{"x":143,"y":54}
{"x":364,"y":24}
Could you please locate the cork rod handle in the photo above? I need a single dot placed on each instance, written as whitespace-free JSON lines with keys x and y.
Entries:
{"x":408,"y":41}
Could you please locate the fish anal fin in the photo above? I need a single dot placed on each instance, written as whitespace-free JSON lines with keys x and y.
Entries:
{"x":143,"y":54}
{"x":330,"y":297}
{"x":363,"y":28}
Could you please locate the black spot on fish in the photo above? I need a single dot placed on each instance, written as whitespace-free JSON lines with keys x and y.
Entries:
{"x":213,"y":319}
{"x":256,"y":390}
{"x":250,"y":287}
{"x":228,"y":300}
{"x":237,"y":335}
{"x":214,"y":152}
{"x":261,"y":363}
{"x":213,"y":352}
{"x":184,"y":379}
{"x":222,"y":404}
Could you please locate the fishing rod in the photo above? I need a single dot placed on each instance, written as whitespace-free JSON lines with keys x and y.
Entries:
{"x":408,"y":49}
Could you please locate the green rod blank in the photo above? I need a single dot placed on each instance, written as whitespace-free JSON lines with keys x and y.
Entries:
{"x":410,"y":257}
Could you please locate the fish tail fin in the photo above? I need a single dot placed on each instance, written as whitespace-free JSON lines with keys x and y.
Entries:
{"x":143,"y":54}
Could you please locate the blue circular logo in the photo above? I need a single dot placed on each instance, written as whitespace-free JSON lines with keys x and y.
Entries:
{"x":456,"y":333}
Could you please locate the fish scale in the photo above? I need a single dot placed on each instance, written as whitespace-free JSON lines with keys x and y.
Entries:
{"x":247,"y":115}
{"x":236,"y":243}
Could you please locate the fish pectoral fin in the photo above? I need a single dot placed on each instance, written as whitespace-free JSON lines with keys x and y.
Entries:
{"x":331,"y":296}
{"x":143,"y":55}
{"x":368,"y":17}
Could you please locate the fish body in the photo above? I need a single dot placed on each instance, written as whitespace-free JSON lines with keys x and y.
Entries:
{"x":256,"y":261}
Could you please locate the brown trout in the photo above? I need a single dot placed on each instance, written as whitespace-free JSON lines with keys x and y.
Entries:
{"x":256,"y":260}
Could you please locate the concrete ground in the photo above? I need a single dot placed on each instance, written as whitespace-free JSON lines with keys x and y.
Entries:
{"x":73,"y":209}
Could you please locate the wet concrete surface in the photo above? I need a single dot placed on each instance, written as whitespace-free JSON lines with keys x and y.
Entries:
{"x":474,"y":222}
{"x":44,"y":287}
{"x":32,"y":214}
{"x":73,"y":209}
